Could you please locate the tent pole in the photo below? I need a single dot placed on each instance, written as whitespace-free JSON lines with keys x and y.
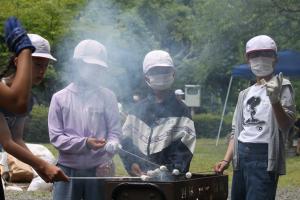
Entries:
{"x":224,"y":108}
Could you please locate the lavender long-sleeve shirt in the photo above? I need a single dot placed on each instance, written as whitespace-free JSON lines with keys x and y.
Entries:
{"x":76,"y":114}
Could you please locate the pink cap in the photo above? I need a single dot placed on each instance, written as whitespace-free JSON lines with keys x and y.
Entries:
{"x":260,"y":43}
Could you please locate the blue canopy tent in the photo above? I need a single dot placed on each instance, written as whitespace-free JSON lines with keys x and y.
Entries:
{"x":288,"y":63}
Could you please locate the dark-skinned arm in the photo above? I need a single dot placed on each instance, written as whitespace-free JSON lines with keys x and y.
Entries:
{"x":15,"y":98}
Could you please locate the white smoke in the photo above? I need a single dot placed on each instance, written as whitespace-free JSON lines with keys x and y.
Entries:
{"x":126,"y":40}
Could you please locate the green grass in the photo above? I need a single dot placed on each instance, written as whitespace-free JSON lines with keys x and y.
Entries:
{"x":293,"y":173}
{"x":207,"y":154}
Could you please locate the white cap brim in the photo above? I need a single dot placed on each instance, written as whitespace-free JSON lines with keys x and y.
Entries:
{"x":157,"y":65}
{"x":44,"y":55}
{"x":95,"y":61}
{"x":261,"y":49}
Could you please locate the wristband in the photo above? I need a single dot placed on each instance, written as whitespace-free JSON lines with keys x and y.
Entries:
{"x":225,"y":161}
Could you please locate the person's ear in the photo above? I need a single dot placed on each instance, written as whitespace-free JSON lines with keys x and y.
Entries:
{"x":16,"y":61}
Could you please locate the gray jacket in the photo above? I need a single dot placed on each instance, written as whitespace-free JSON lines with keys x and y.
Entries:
{"x":276,"y":147}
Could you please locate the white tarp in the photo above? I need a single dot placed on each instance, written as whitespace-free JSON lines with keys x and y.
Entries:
{"x":37,"y":183}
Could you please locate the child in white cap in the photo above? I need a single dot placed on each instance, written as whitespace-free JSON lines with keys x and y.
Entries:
{"x":13,"y":104}
{"x":180,"y":95}
{"x":264,"y":114}
{"x":159,"y":128}
{"x":84,"y":126}
{"x":40,"y":60}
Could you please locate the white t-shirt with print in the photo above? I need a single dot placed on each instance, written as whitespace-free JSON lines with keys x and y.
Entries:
{"x":256,"y":111}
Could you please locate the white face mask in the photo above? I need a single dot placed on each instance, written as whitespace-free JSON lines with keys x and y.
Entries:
{"x":261,"y":66}
{"x":160,"y":81}
{"x":93,"y":76}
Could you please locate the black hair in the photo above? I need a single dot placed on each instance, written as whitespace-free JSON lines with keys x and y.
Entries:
{"x":11,"y":68}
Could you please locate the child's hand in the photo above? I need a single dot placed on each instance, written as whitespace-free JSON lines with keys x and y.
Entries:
{"x":136,"y":170}
{"x":51,"y":173}
{"x":95,"y":144}
{"x":273,"y":87}
{"x":221,"y":166}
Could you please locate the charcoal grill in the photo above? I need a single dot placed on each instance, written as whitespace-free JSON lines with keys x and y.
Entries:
{"x":199,"y":187}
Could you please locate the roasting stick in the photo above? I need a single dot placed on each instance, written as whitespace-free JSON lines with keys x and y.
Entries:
{"x":201,"y":172}
{"x":139,"y":157}
{"x":119,"y":177}
{"x":108,"y":177}
{"x":205,"y":172}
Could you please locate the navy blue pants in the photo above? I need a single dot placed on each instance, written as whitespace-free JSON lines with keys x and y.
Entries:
{"x":252,"y":181}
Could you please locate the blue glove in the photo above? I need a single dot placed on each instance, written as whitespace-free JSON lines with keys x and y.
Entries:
{"x":16,"y":37}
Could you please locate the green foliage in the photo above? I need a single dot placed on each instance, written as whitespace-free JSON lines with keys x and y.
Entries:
{"x":49,"y":18}
{"x":207,"y":125}
{"x":36,"y":128}
{"x":205,"y":38}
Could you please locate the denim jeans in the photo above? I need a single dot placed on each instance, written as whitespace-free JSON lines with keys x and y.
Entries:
{"x":252,"y":181}
{"x":87,"y":189}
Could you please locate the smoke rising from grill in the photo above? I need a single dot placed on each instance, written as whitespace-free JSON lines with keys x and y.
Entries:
{"x":125,"y":39}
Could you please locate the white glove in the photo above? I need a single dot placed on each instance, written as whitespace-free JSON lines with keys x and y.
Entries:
{"x":111,"y":147}
{"x":273,"y":87}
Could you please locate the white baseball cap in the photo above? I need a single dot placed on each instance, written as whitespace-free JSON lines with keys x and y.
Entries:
{"x":179,"y":92}
{"x":260,"y":43}
{"x":42,"y":46}
{"x":157,"y":58}
{"x":91,"y":52}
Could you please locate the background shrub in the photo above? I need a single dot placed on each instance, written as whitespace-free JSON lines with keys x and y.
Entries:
{"x":207,"y":125}
{"x":36,"y":127}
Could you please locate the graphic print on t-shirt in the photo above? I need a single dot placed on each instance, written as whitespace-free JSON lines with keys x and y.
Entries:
{"x":252,"y":103}
{"x":256,"y":114}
